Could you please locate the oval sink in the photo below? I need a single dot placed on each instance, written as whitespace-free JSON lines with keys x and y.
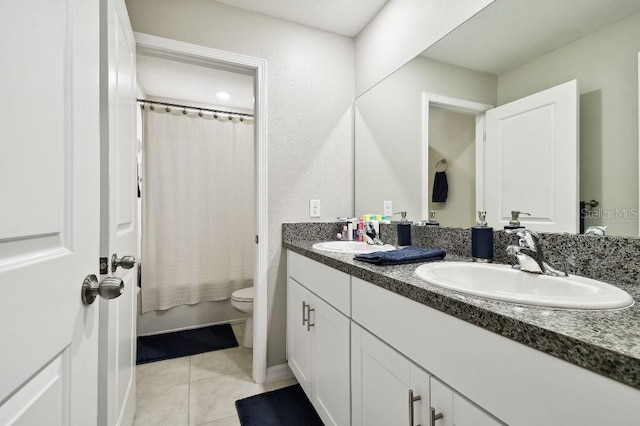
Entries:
{"x":351,"y":247}
{"x":501,"y":282}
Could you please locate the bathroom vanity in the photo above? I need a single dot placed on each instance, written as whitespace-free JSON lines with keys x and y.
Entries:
{"x":375,"y":345}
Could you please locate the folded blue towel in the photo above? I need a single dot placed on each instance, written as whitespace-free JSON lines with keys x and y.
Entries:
{"x":404,"y":255}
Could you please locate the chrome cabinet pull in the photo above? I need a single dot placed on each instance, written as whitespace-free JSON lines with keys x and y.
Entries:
{"x":309,"y":310}
{"x":412,"y":399}
{"x":435,"y":416}
{"x":304,"y":312}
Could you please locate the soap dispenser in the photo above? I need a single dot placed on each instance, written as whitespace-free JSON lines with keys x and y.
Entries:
{"x":514,"y":223}
{"x":432,"y":219}
{"x":404,"y":230}
{"x":482,"y":240}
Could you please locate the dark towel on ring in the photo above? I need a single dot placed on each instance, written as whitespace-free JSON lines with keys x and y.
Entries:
{"x":440,"y":188}
{"x":409,"y":254}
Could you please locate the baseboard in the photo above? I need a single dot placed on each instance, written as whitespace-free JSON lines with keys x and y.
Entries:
{"x":278,"y":372}
{"x":192,"y":327}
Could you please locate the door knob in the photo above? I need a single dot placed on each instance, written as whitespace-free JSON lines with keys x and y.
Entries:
{"x":108,"y":288}
{"x":126,"y":262}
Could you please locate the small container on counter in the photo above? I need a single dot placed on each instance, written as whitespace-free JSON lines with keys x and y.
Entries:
{"x":482,"y":240}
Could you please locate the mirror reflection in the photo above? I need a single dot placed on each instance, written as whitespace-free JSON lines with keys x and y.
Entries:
{"x":433,"y":107}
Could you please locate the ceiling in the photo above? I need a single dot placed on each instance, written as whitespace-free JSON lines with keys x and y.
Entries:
{"x":345,"y":17}
{"x":167,"y":79}
{"x":508,"y":33}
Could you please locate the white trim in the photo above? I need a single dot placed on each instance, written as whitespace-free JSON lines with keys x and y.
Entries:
{"x":279,"y":372}
{"x":639,"y":126}
{"x":458,"y":105}
{"x":192,"y":53}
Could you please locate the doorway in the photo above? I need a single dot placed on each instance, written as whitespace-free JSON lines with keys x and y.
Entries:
{"x":186,"y":53}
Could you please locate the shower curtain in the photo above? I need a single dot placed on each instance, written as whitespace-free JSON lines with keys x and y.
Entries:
{"x":197,"y":207}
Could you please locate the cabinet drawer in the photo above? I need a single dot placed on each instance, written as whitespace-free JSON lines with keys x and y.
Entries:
{"x":329,"y":284}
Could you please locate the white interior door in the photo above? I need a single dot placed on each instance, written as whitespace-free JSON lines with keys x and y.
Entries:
{"x":49,"y":215}
{"x":531,"y":158}
{"x":119,"y":227}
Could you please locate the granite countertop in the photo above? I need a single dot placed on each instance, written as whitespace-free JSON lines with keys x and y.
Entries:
{"x":606,"y":342}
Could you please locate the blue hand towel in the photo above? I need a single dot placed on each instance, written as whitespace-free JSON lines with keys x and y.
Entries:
{"x":440,"y":188}
{"x":405,"y":255}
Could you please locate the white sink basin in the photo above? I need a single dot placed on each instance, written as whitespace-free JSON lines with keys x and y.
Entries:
{"x":351,"y":247}
{"x":501,"y":282}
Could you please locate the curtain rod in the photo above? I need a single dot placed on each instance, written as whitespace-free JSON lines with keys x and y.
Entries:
{"x":145,"y":101}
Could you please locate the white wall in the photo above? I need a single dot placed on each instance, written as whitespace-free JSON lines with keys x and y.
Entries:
{"x":606,"y":66}
{"x":388,"y":124}
{"x":402,"y":30}
{"x":310,"y":94}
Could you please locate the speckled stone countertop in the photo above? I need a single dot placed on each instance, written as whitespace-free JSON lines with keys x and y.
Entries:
{"x":606,"y":342}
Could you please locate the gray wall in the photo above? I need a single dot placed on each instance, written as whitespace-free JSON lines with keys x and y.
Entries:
{"x":310,"y":93}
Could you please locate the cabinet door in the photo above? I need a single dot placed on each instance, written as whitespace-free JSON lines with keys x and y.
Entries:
{"x":456,"y":410}
{"x":299,"y":349}
{"x":330,"y":334}
{"x":381,"y":381}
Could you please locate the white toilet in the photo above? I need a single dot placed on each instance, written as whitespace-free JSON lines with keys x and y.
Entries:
{"x":242,"y":300}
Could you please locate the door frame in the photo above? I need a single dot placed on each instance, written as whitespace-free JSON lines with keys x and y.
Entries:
{"x":461,"y":106}
{"x":197,"y":54}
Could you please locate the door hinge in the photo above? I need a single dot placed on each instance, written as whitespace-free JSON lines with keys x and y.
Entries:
{"x":256,"y":239}
{"x":104,"y":265}
{"x":484,"y":136}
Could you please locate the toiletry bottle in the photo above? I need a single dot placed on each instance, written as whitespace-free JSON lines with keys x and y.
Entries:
{"x":349,"y":230}
{"x":482,"y":240}
{"x":360,"y":229}
{"x":404,"y":230}
{"x":432,"y":219}
{"x":514,"y":223}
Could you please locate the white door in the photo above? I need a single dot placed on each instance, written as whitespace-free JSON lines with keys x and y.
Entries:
{"x":49,"y":215}
{"x":119,"y":227}
{"x":531,"y":161}
{"x":453,"y":410}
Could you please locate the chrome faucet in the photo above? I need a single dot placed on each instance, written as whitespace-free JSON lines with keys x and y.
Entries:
{"x":530,"y":255}
{"x":370,"y":234}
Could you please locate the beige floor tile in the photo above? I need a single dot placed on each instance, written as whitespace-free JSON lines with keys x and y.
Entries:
{"x":156,"y":377}
{"x":214,"y":398}
{"x":280,"y":384}
{"x":228,"y":421}
{"x":167,"y":408}
{"x":216,"y":363}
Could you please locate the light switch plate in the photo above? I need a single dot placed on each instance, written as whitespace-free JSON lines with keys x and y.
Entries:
{"x":314,"y":208}
{"x":388,"y":208}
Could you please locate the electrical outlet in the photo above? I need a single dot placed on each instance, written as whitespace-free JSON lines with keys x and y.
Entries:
{"x":388,"y":208}
{"x":314,"y":208}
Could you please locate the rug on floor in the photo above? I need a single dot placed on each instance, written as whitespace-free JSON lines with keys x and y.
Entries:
{"x":283,"y":407}
{"x":184,"y":343}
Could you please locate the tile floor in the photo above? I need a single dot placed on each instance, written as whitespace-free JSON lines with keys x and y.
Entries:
{"x":198,"y":389}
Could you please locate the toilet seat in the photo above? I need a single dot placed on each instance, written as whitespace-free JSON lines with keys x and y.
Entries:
{"x":243,"y":295}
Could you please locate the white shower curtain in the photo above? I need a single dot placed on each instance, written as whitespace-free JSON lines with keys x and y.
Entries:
{"x":197,"y":208}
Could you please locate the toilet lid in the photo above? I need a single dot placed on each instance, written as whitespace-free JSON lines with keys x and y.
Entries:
{"x":243,"y":295}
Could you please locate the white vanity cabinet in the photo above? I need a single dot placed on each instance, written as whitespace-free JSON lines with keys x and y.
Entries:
{"x":386,"y":388}
{"x":318,"y":336}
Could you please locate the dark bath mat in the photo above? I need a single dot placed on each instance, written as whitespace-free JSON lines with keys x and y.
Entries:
{"x":184,"y":343}
{"x":283,"y":407}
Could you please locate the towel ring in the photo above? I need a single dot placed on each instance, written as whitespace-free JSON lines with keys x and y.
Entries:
{"x":444,"y":162}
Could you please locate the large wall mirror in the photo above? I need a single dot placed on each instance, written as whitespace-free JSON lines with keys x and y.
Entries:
{"x":435,"y":107}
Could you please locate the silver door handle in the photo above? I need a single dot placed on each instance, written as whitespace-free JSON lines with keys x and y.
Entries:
{"x":435,"y":416}
{"x":108,"y":288}
{"x":126,"y":262}
{"x":412,"y":399}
